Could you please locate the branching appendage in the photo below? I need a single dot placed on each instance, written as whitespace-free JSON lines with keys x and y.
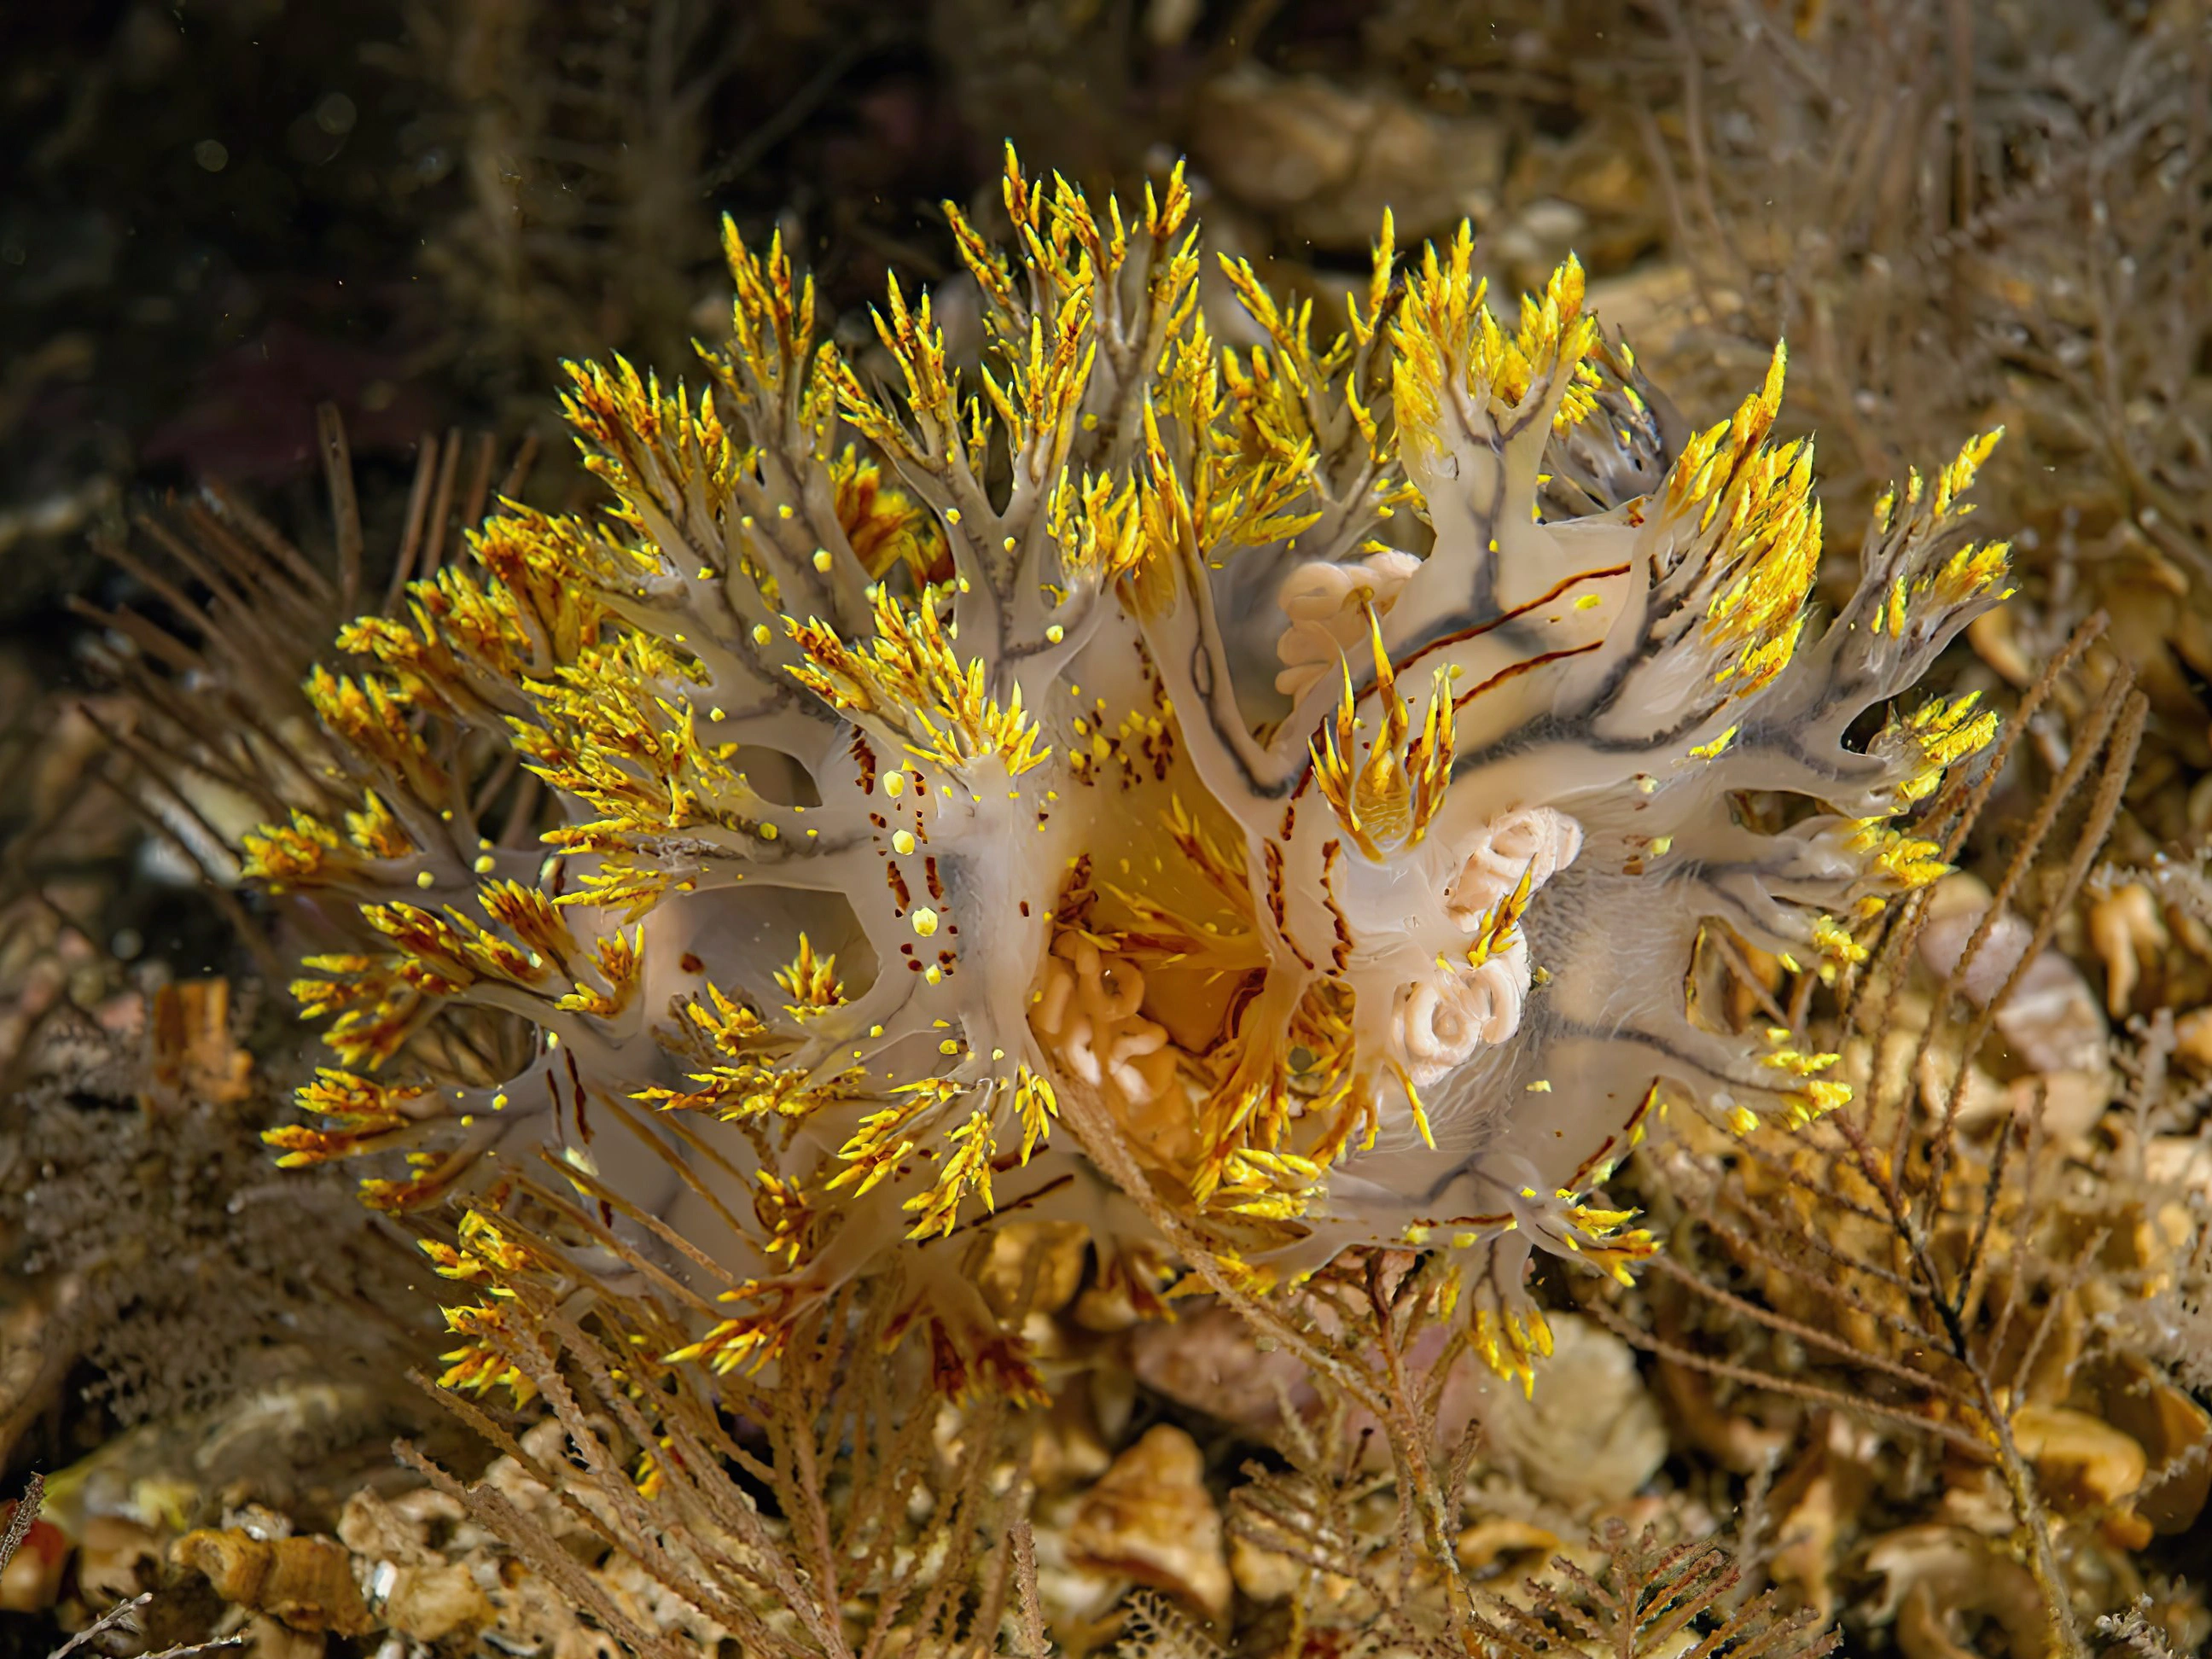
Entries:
{"x":927,"y":752}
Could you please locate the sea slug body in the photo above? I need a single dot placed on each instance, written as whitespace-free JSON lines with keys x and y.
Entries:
{"x":1321,"y":758}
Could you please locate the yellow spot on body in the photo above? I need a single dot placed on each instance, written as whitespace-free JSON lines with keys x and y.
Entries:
{"x":925,"y":921}
{"x":498,"y":1103}
{"x":485,"y":865}
{"x":768,"y":832}
{"x":1542,"y":1086}
{"x":823,"y":561}
{"x":424,"y":878}
{"x":1712,"y":751}
{"x":1055,"y":634}
{"x":1589,"y":602}
{"x":903,"y":842}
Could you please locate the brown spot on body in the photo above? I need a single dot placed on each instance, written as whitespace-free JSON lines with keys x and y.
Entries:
{"x":1340,"y":953}
{"x":1279,"y":905}
{"x":576,"y":1082}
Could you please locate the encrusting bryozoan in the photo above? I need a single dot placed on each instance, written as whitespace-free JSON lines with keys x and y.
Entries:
{"x":1319,"y":757}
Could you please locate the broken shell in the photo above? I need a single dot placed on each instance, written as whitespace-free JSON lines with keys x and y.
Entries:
{"x":1068,"y":1448}
{"x":2124,"y":927}
{"x":1053,"y":1251}
{"x":117,"y":1559}
{"x":2068,"y":1103}
{"x":1150,"y":1518}
{"x":1317,"y":155}
{"x":2077,"y":1458}
{"x":429,"y":1604}
{"x":307,"y":1583}
{"x":1740,"y":1444}
{"x":1808,"y":1539}
{"x":371,"y":1525}
{"x":1995,"y":636}
{"x":1210,"y":1360}
{"x":2179,"y":1160}
{"x":271,"y":1638}
{"x":2171,"y":1429}
{"x":2192,"y":1035}
{"x":1937,"y":1574}
{"x":2051,"y":1020}
{"x":1591,"y":1434}
{"x":1487,"y":1544}
{"x":1265,"y":1575}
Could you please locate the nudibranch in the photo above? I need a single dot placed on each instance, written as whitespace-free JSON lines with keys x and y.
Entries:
{"x":1320,"y":756}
